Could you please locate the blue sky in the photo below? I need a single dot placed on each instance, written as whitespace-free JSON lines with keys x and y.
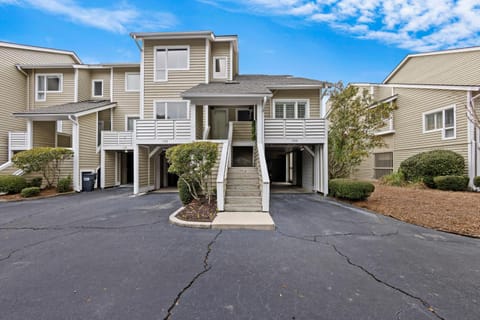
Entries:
{"x":348,"y":40}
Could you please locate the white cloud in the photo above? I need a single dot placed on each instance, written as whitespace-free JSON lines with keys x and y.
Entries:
{"x":119,"y":19}
{"x":418,"y":25}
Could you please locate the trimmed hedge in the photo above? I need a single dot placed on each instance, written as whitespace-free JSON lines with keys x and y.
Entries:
{"x":35,"y":182}
{"x":30,"y":192}
{"x":427,"y":165}
{"x":64,"y":185}
{"x":451,"y":183}
{"x":350,"y":189}
{"x":476,"y":181}
{"x":12,"y":184}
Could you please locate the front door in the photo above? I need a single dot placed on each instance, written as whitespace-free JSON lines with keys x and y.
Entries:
{"x":220,"y":124}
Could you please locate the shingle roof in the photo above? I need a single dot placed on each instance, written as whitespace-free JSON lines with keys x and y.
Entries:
{"x":69,"y":108}
{"x":251,"y":84}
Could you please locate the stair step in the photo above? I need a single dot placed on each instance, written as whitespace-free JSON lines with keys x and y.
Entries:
{"x":244,"y":176}
{"x":243,"y":182}
{"x":243,"y":193}
{"x":243,"y":200}
{"x":243,"y":208}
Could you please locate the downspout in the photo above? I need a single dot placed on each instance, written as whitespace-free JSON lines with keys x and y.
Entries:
{"x":76,"y":152}
{"x":19,"y":68}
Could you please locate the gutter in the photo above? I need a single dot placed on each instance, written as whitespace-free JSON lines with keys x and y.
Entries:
{"x":134,"y":37}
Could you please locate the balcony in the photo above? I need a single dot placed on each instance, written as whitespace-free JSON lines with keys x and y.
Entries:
{"x":117,"y":140}
{"x":18,"y":141}
{"x":163,"y":131}
{"x":295,"y":130}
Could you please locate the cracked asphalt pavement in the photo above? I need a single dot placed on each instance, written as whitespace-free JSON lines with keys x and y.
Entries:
{"x":106,"y":255}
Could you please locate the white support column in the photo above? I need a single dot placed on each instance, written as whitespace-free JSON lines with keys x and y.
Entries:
{"x":471,"y":143}
{"x":30,"y":133}
{"x":259,"y":122}
{"x":136,"y":170}
{"x":193,"y":121}
{"x":206,"y":121}
{"x":76,"y":154}
{"x":325,"y":162}
{"x":316,"y":168}
{"x":102,"y":168}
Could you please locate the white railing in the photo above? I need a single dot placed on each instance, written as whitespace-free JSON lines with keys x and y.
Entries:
{"x":18,"y":141}
{"x":222,"y":175}
{"x":388,"y":128}
{"x":117,"y":140}
{"x":295,"y":130}
{"x":265,"y":180}
{"x":163,"y":131}
{"x":206,"y":132}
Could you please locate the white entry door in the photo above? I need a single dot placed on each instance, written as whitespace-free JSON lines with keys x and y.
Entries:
{"x":220,"y":124}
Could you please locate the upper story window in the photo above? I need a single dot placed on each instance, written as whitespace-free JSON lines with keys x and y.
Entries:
{"x":132,"y":81}
{"x":171,"y":110}
{"x":290,"y":109}
{"x":47,"y":83}
{"x":97,"y":88}
{"x":219,"y":67}
{"x":130,"y":122}
{"x":441,"y":120}
{"x":170,"y":58}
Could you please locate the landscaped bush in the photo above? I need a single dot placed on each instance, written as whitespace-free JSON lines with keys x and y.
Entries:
{"x":427,"y":165}
{"x":396,"y":179}
{"x":185,"y":195}
{"x":35,"y":182}
{"x":476,"y":181}
{"x":64,"y":185}
{"x":12,"y":184}
{"x":451,"y":183}
{"x":30,"y":192}
{"x":350,"y":189}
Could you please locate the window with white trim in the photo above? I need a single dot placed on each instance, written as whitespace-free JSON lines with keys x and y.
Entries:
{"x":132,"y":81}
{"x":441,"y":120}
{"x":290,"y":109}
{"x":383,"y":164}
{"x":170,"y":58}
{"x":219,"y":67}
{"x":171,"y":110}
{"x":97,"y":88}
{"x":47,"y":83}
{"x":131,"y":122}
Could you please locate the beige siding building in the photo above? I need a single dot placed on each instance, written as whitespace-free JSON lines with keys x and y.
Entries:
{"x":433,"y":92}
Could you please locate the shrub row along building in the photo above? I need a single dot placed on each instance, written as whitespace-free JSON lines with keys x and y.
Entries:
{"x":120,"y":118}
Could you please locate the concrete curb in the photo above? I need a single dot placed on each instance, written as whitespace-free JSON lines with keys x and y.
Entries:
{"x":39,"y":197}
{"x":189,"y":224}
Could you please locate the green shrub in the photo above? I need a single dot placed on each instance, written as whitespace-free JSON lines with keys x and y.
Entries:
{"x":183,"y":192}
{"x":12,"y":184}
{"x":350,"y":189}
{"x":30,"y":192}
{"x":451,"y":183}
{"x":35,"y":182}
{"x":64,"y":185}
{"x":427,"y":165}
{"x":396,"y":179}
{"x":476,"y":181}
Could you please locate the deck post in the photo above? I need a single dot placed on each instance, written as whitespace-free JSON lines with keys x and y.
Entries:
{"x":136,"y":170}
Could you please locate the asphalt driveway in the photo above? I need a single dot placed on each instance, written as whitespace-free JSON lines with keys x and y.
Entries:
{"x":106,"y":255}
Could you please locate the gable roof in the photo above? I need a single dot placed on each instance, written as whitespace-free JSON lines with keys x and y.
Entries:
{"x":40,"y":49}
{"x":426,"y":54}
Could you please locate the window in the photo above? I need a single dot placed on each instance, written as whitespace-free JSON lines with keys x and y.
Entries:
{"x":59,"y":126}
{"x":290,"y":109}
{"x":171,"y":110}
{"x":440,"y":120}
{"x":47,"y":83}
{"x":170,"y":58}
{"x":132,"y":81}
{"x":383,"y":164}
{"x":219,"y":67}
{"x":131,"y":122}
{"x":97,"y":88}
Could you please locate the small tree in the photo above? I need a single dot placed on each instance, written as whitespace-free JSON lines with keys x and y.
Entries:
{"x":355,"y":118}
{"x":193,"y":163}
{"x":48,"y":161}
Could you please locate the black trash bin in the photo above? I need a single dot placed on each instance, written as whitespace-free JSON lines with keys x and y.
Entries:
{"x":88,"y":181}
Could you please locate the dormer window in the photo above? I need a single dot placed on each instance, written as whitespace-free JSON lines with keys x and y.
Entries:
{"x":219,"y":67}
{"x":170,"y":58}
{"x":47,"y":83}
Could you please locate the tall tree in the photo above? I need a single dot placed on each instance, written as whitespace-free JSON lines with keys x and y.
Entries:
{"x":355,"y":118}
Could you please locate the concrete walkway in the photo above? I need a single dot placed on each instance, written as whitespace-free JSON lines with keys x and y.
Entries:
{"x":243,"y":221}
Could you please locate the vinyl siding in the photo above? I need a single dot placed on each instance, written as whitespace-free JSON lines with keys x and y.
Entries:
{"x":143,"y":164}
{"x":44,"y":133}
{"x":178,"y":81}
{"x":101,"y":74}
{"x":312,"y":94}
{"x":109,"y":168}
{"x":128,"y":103}
{"x":307,"y":171}
{"x":84,"y":85}
{"x":89,"y":159}
{"x":13,"y":92}
{"x":452,"y":68}
{"x":220,"y":49}
{"x":54,"y":98}
{"x":366,"y":169}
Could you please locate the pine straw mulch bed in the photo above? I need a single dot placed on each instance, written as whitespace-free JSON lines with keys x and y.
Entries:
{"x":455,"y":212}
{"x":199,"y":210}
{"x":44,"y":193}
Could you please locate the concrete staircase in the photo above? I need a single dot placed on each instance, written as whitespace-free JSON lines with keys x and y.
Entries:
{"x":243,"y":190}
